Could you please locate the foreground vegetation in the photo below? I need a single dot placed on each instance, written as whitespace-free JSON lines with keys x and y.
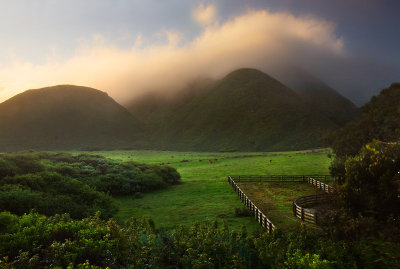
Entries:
{"x":367,"y":160}
{"x":33,"y":241}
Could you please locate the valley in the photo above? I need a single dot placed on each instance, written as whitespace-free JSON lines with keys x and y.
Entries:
{"x":205,"y":194}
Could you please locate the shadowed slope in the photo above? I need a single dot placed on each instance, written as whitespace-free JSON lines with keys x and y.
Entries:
{"x":246,"y":110}
{"x":320,"y":96}
{"x":65,"y":117}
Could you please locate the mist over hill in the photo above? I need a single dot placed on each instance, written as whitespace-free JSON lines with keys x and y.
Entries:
{"x":246,"y":110}
{"x":319,"y":95}
{"x":65,"y":117}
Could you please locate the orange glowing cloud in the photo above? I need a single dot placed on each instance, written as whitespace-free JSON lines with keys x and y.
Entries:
{"x":255,"y":39}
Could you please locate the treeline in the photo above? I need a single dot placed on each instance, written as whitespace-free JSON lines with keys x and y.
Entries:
{"x":367,"y":163}
{"x":34,"y":241}
{"x":379,"y":120}
{"x":56,"y":183}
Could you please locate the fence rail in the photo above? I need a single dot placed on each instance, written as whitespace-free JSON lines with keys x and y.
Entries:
{"x":307,"y":214}
{"x":320,"y":185}
{"x":280,"y":178}
{"x":260,"y":216}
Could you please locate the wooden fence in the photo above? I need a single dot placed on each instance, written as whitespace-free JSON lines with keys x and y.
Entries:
{"x":320,"y":185}
{"x":305,"y":214}
{"x":308,"y":214}
{"x":319,"y":181}
{"x":260,"y":216}
{"x":280,"y":178}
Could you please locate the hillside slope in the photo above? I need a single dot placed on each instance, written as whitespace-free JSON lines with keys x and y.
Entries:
{"x":379,"y":119}
{"x":320,"y":96}
{"x":65,"y":117}
{"x":247,"y":110}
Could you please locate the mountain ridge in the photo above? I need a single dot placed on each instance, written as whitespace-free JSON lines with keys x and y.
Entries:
{"x":244,"y":99}
{"x":65,"y":117}
{"x":247,"y":110}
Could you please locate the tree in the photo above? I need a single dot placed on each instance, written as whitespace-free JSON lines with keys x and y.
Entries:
{"x":372,"y":180}
{"x":379,"y":119}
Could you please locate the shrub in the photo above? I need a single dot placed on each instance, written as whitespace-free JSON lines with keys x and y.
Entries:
{"x":242,"y":212}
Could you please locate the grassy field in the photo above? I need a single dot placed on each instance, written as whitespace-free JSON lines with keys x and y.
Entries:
{"x":204,"y":193}
{"x":275,"y":200}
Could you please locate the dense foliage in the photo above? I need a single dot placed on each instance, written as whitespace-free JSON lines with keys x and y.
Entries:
{"x":367,"y":162}
{"x":80,"y":185}
{"x":367,"y":157}
{"x":369,"y":205}
{"x":379,"y":119}
{"x":33,"y":241}
{"x":372,"y":181}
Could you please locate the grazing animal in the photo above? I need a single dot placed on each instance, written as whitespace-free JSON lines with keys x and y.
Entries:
{"x":270,"y":161}
{"x":211,"y":161}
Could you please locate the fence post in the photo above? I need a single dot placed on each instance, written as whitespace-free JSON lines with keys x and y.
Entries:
{"x":294,"y":209}
{"x":302,"y":213}
{"x":269,"y":227}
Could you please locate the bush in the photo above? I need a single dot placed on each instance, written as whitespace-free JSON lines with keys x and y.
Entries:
{"x":371,"y":181}
{"x":242,"y":212}
{"x":56,"y":183}
{"x":39,"y":241}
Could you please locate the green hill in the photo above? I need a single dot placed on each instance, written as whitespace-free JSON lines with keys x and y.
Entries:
{"x":379,"y":119}
{"x":247,"y":110}
{"x":65,"y":117}
{"x":320,"y":96}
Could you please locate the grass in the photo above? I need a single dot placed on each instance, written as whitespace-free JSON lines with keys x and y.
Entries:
{"x":204,"y":193}
{"x":275,"y":199}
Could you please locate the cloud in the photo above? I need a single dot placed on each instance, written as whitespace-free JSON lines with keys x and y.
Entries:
{"x":259,"y":39}
{"x":204,"y":14}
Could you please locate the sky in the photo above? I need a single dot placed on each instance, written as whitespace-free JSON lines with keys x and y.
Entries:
{"x":130,"y":47}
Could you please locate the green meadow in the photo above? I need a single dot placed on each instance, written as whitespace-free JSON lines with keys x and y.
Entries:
{"x":204,"y":193}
